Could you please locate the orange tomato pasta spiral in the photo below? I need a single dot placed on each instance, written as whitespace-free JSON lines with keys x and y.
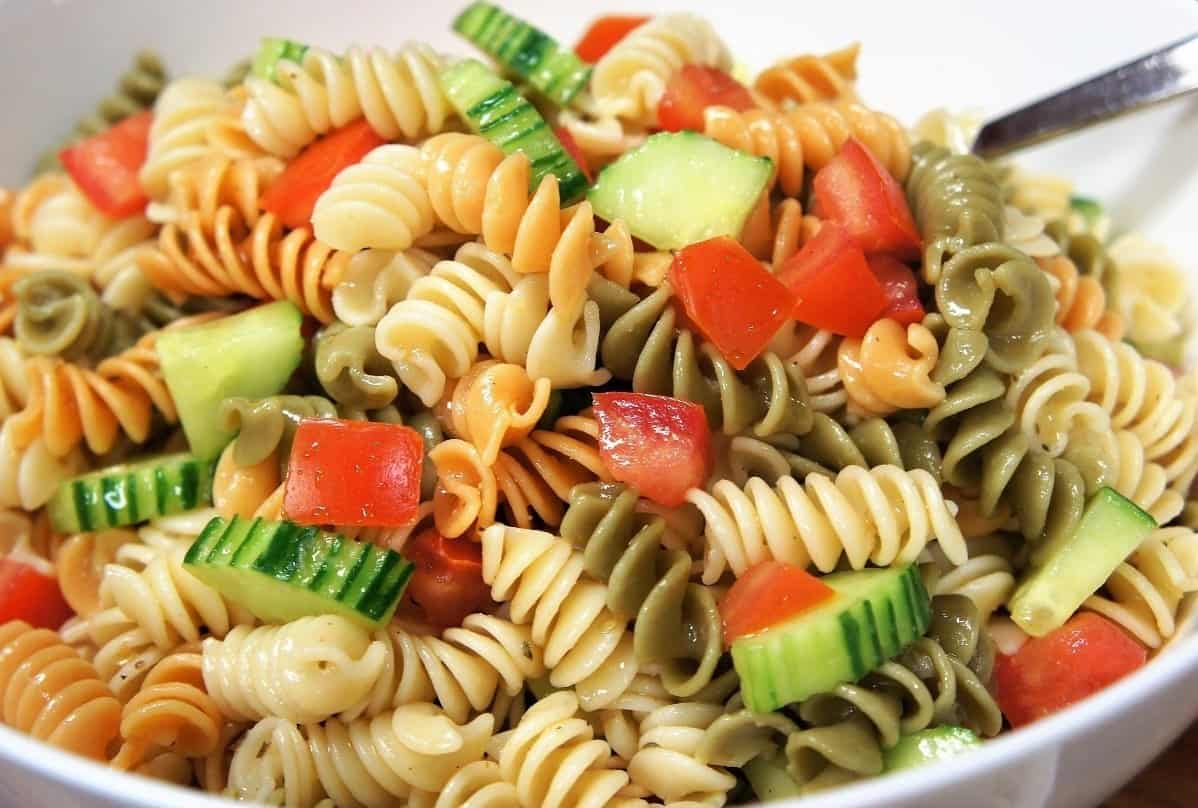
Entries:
{"x":80,"y":566}
{"x":809,"y":136}
{"x":495,"y":405}
{"x":1081,"y":300}
{"x":807,"y":78}
{"x":775,"y":233}
{"x":889,"y":369}
{"x":216,"y":181}
{"x":54,"y":695}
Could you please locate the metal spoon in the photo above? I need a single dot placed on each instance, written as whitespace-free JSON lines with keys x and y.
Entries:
{"x":1151,"y":79}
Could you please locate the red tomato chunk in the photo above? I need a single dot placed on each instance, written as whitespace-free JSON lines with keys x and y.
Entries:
{"x":692,"y":90}
{"x":734,"y":301}
{"x":448,"y":582}
{"x":353,"y":473}
{"x":901,"y":288}
{"x":856,"y":192}
{"x":604,"y":34}
{"x":833,"y":285}
{"x":28,"y":594}
{"x":767,"y":594}
{"x":659,"y":445}
{"x":293,"y":195}
{"x":1052,"y":672}
{"x":106,"y":166}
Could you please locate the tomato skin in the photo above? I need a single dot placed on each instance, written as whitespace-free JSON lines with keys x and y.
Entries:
{"x":767,"y":594}
{"x":293,"y":194}
{"x":28,"y":594}
{"x":353,"y":473}
{"x":604,"y":33}
{"x":730,"y":297}
{"x":571,"y":146}
{"x":657,"y":444}
{"x":105,"y":166}
{"x":1050,"y":673}
{"x":692,"y":90}
{"x":448,"y":583}
{"x":901,"y":287}
{"x":857,"y":192}
{"x":832,"y":284}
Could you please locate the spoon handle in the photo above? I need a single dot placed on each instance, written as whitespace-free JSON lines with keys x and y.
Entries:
{"x":1150,"y":79}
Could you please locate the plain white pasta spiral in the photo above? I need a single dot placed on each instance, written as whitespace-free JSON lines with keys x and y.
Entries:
{"x":375,"y":280}
{"x":1153,"y":295}
{"x":30,"y":476}
{"x":304,"y":671}
{"x":398,"y":95}
{"x":666,"y":766}
{"x":478,"y":785}
{"x":555,"y":761}
{"x":630,"y":78}
{"x":586,"y":645}
{"x":1144,"y":482}
{"x":883,"y":515}
{"x":183,"y":114}
{"x":380,"y":202}
{"x":410,"y":753}
{"x":14,"y":385}
{"x":465,"y":668}
{"x":1144,"y":592}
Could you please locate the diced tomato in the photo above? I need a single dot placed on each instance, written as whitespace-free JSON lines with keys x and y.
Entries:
{"x":658,"y":444}
{"x":901,"y":288}
{"x":105,"y":166}
{"x":832,"y":284}
{"x":730,"y":297}
{"x":767,"y":594}
{"x":692,"y":90}
{"x":448,"y":582}
{"x":604,"y":33}
{"x":1052,"y":672}
{"x":28,"y":594}
{"x":571,"y":146}
{"x":353,"y":473}
{"x":293,"y":194}
{"x":856,"y":191}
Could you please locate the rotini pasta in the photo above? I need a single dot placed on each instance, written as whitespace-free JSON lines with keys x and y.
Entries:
{"x":809,"y":136}
{"x":399,"y":95}
{"x":666,"y":766}
{"x":1081,"y":300}
{"x":775,"y":233}
{"x":183,"y":113}
{"x":80,"y":566}
{"x":808,"y":78}
{"x":1153,"y":296}
{"x":351,"y":370}
{"x":375,"y":280}
{"x":59,"y":315}
{"x":495,"y":405}
{"x":889,"y":369}
{"x":882,"y":515}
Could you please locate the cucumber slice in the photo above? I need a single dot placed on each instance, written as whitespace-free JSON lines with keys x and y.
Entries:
{"x":251,"y":355}
{"x":495,"y":110}
{"x":929,"y":746}
{"x":678,"y":188}
{"x":1090,"y":209}
{"x":769,"y":778}
{"x":1072,"y":567}
{"x":876,"y":613}
{"x":131,"y":493}
{"x":527,"y":51}
{"x":272,"y":50}
{"x":282,"y":571}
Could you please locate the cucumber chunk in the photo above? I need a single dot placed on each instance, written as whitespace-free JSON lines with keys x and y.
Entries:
{"x":876,"y":613}
{"x":527,"y":51}
{"x":495,"y":110}
{"x":1071,"y":568}
{"x":272,"y":50}
{"x":251,"y":355}
{"x":282,"y":571}
{"x":678,"y":188}
{"x":929,"y":746}
{"x":769,"y":778}
{"x":1090,"y":209}
{"x":131,"y":493}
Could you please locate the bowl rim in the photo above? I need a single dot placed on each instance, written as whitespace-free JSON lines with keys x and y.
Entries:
{"x":1175,"y":661}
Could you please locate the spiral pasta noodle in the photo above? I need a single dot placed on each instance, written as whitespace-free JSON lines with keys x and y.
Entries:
{"x":399,"y":95}
{"x":1145,"y":591}
{"x":1144,"y":482}
{"x":351,"y":370}
{"x":775,"y":233}
{"x":183,"y":114}
{"x":52,"y":694}
{"x":553,"y":758}
{"x":478,"y":785}
{"x":396,"y":756}
{"x":676,"y":624}
{"x":882,"y":515}
{"x":585,"y":643}
{"x":829,"y":447}
{"x":213,"y":182}
{"x":69,"y":404}
{"x":31,"y":473}
{"x":1081,"y":300}
{"x":814,"y":351}
{"x":890,"y":369}
{"x":80,"y":566}
{"x":172,"y":711}
{"x":59,"y":315}
{"x":666,"y":765}
{"x":987,"y":578}
{"x":495,"y":405}
{"x":807,"y":78}
{"x":645,"y":347}
{"x":1153,"y":295}
{"x":809,"y":136}
{"x":266,"y":426}
{"x":375,"y":280}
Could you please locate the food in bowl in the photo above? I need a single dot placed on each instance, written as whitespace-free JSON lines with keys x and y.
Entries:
{"x":553,"y":425}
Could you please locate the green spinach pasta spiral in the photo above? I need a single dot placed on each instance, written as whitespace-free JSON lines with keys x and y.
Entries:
{"x":59,"y":314}
{"x":351,"y":369}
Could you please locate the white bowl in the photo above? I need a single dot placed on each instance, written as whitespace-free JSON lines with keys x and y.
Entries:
{"x":60,"y":57}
